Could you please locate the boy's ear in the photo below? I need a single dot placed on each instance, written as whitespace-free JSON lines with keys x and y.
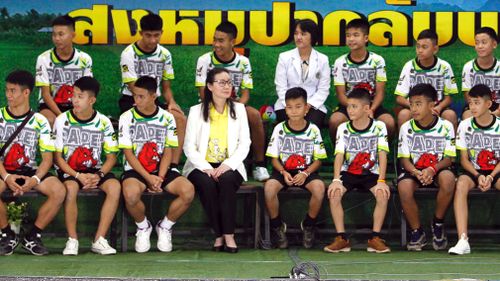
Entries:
{"x":26,"y":91}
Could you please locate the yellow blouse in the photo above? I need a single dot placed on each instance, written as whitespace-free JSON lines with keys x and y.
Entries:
{"x":217,"y":142}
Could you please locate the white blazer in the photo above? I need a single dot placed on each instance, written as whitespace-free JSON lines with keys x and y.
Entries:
{"x":198,"y":132}
{"x":289,"y":75}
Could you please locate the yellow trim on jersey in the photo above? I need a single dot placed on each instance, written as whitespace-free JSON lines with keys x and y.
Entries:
{"x":319,"y":156}
{"x":128,"y":80}
{"x":380,"y":79}
{"x":400,"y":155}
{"x":461,"y":148}
{"x":46,"y":148}
{"x":382,"y":148}
{"x":167,"y":76}
{"x":272,"y":155}
{"x":199,"y":84}
{"x":400,"y":94}
{"x":110,"y":149}
{"x":339,"y":84}
{"x":171,"y":144}
{"x":41,"y":84}
{"x":448,"y":92}
{"x":450,"y":153}
{"x":122,"y":146}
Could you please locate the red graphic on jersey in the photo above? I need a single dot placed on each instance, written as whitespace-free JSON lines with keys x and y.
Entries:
{"x":295,"y":162}
{"x":366,"y":86}
{"x":486,"y":160}
{"x":360,"y":162}
{"x":15,"y":158}
{"x":426,"y":160}
{"x":81,"y":159}
{"x":64,"y":94}
{"x":149,"y":156}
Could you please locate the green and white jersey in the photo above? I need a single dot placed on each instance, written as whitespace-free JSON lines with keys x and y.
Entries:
{"x":135,"y":63}
{"x":36,"y":135}
{"x":296,"y":150}
{"x":147,"y":136}
{"x":361,"y":147}
{"x":440,"y":76}
{"x":482,"y":144}
{"x":60,"y":75}
{"x":426,"y":146}
{"x":82,"y":142}
{"x":239,"y":68}
{"x":348,"y":73}
{"x":473,"y":75}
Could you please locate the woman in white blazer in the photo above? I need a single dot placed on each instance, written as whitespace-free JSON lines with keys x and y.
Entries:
{"x":216,"y":143}
{"x":306,"y":68}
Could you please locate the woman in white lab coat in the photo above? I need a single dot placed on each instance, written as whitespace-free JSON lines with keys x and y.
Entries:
{"x":306,"y":68}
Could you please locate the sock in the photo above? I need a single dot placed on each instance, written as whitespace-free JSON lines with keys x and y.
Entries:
{"x":166,"y":223}
{"x":276,"y":222}
{"x":308,"y":221}
{"x":174,"y":166}
{"x":143,"y":224}
{"x":375,"y":234}
{"x":33,"y":233}
{"x":436,"y":221}
{"x":419,"y":230}
{"x":342,"y":234}
{"x":260,"y":164}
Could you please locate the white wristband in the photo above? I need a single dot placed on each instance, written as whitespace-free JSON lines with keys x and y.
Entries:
{"x":38,"y":180}
{"x":337,"y":180}
{"x":5,"y":179}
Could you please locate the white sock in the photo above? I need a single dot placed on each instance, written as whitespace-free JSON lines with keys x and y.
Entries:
{"x":166,"y":223}
{"x":143,"y":224}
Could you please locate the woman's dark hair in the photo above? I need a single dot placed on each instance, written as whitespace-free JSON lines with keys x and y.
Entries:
{"x":209,"y":96}
{"x":309,"y":26}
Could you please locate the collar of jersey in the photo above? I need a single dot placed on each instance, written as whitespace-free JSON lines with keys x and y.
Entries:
{"x":418,"y":128}
{"x":8,"y":116}
{"x":295,"y":132}
{"x":75,"y":121}
{"x":476,"y":66}
{"x":350,"y":61}
{"x":57,"y":61}
{"x":477,"y":126}
{"x":217,"y":61}
{"x":141,"y":116}
{"x":353,"y":129}
{"x":420,"y":68}
{"x":142,"y":53}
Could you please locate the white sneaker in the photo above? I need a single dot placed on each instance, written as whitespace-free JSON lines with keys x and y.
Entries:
{"x":71,"y":247}
{"x":102,"y":247}
{"x":260,"y":174}
{"x":462,"y":247}
{"x":142,"y":243}
{"x":164,"y":239}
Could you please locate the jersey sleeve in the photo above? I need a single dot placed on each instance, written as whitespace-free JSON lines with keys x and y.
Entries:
{"x":171,"y":138}
{"x":450,"y":85}
{"x":403,"y":149}
{"x":42,"y":76}
{"x":127,"y":67}
{"x":87,"y":66}
{"x":319,"y":147}
{"x":124,"y":140}
{"x":110,"y":144}
{"x":461,"y":141}
{"x":382,"y":139}
{"x":201,"y":72}
{"x":466,"y":79}
{"x":58,"y":133}
{"x":45,"y":136}
{"x":340,"y":139}
{"x":168,"y":68}
{"x":450,"y":149}
{"x":272,"y":147}
{"x":247,"y":81}
{"x":381,"y":75}
{"x":337,"y":74}
{"x":403,"y":86}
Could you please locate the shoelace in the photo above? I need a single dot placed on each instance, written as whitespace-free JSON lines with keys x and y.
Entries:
{"x":415,"y":235}
{"x":438,"y":230}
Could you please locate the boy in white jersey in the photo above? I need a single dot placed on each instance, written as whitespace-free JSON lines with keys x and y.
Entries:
{"x":147,"y":57}
{"x":360,"y":162}
{"x":18,"y":168}
{"x":83,"y":135}
{"x":484,"y":69}
{"x":57,"y":69}
{"x":360,"y":66}
{"x":147,"y":135}
{"x":296,"y":149}
{"x":427,"y":68}
{"x":478,"y":140}
{"x":425,"y":150}
{"x":224,"y":56}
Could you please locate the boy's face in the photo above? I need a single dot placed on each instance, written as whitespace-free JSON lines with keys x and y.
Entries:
{"x":82,"y":100}
{"x":16,"y":95}
{"x":223,"y":44}
{"x":478,"y":106}
{"x":150,"y":38}
{"x":356,"y":39}
{"x":143,"y":99}
{"x":296,"y":109}
{"x":62,"y":36}
{"x":302,"y":39}
{"x":484,"y":45}
{"x":357,"y":109}
{"x":421,"y":107}
{"x":426,"y":49}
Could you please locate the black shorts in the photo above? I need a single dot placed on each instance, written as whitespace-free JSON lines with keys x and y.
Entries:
{"x":106,"y":177}
{"x":277,"y":176}
{"x":62,"y":107}
{"x":361,"y":182}
{"x":482,"y":172}
{"x":315,"y":116}
{"x":379,"y":111}
{"x":127,"y":102}
{"x":171,"y":175}
{"x":407,"y":175}
{"x":28,"y":172}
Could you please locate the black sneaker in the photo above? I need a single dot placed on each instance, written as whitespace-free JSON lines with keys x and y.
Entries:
{"x":417,"y":240}
{"x":35,"y":246}
{"x":439,"y":239}
{"x":8,"y":242}
{"x":279,"y":236}
{"x":308,"y":237}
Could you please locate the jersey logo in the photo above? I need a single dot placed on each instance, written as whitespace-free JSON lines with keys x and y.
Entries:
{"x":360,"y":162}
{"x":81,"y":159}
{"x":486,"y":160}
{"x":64,"y":94}
{"x":295,"y":162}
{"x":426,"y":160}
{"x":149,"y":156}
{"x":15,"y":158}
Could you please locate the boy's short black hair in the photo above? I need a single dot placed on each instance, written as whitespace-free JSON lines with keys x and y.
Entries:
{"x":489,"y":31}
{"x":296,"y":93}
{"x":361,"y":23}
{"x":148,"y":83}
{"x":151,"y":22}
{"x":228,"y":28}
{"x":22,"y":78}
{"x":428,"y":34}
{"x":89,"y":84}
{"x":423,"y":89}
{"x":480,"y":91}
{"x":65,"y":20}
{"x":307,"y":25}
{"x":360,"y":94}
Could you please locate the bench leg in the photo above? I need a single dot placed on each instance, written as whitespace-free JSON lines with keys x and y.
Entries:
{"x":124,"y":232}
{"x":403,"y":230}
{"x":258,"y":214}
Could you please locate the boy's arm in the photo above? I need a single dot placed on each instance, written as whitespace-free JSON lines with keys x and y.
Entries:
{"x":315,"y":165}
{"x":403,"y":101}
{"x":382,"y":165}
{"x":42,"y":170}
{"x":467,"y":164}
{"x":337,"y":165}
{"x":49,"y":101}
{"x":169,"y":97}
{"x":379,"y":95}
{"x":341,"y":95}
{"x":244,"y":96}
{"x":165,"y":161}
{"x":109,"y":163}
{"x":446,"y":102}
{"x":153,"y":181}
